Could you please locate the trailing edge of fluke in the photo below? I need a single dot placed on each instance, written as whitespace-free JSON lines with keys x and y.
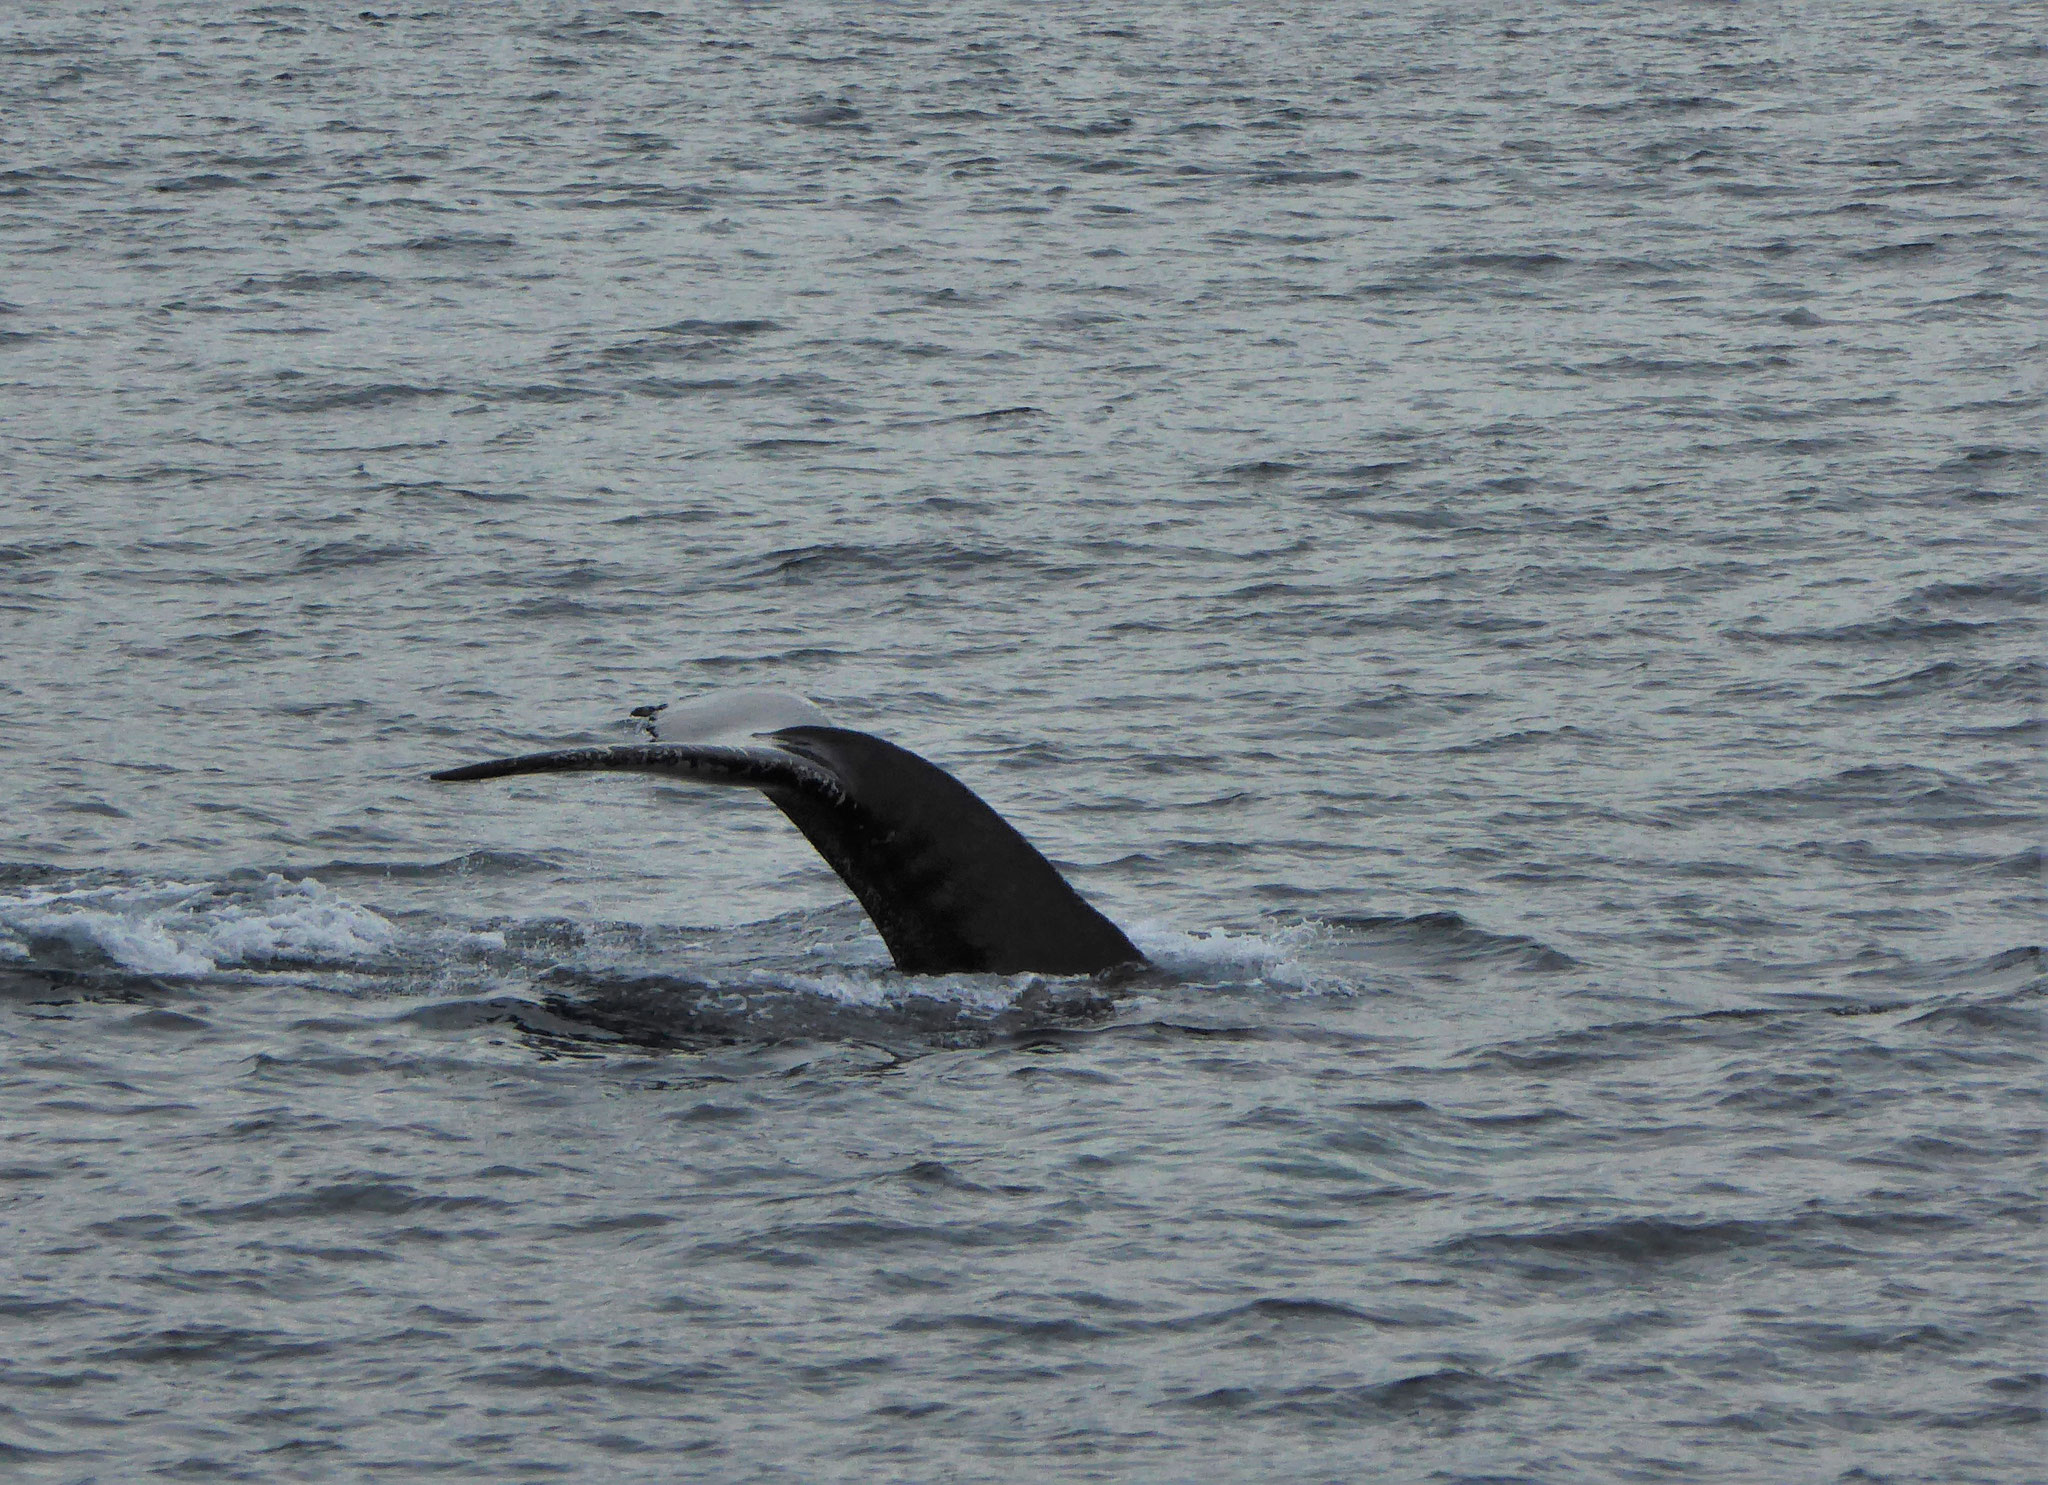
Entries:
{"x":949,"y":883}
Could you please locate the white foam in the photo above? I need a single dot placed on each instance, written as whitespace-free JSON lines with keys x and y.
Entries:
{"x":1269,"y":958}
{"x":186,"y":930}
{"x":882,"y":986}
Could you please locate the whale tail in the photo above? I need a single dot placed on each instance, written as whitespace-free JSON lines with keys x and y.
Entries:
{"x":950,"y":884}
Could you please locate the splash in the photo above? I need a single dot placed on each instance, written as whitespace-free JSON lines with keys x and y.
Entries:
{"x":1269,"y":959}
{"x":185,"y":930}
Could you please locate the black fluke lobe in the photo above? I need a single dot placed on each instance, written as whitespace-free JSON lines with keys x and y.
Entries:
{"x":950,"y":884}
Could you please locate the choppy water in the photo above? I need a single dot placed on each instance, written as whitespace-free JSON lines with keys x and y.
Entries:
{"x":1502,"y":544}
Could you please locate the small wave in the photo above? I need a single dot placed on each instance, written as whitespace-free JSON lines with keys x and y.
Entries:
{"x":2022,"y":681}
{"x":1448,"y":935}
{"x":1638,"y":1242}
{"x":190,"y":1345}
{"x":1629,"y":1240}
{"x":1093,"y":129}
{"x":686,"y":340}
{"x":2017,"y":1018}
{"x":1896,"y":251}
{"x":1872,"y":791}
{"x":1288,"y":1315}
{"x":1261,"y":469}
{"x":1525,"y":738}
{"x":466,"y":244}
{"x":1623,"y":1041}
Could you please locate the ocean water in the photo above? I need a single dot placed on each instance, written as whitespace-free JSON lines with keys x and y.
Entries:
{"x":1501,"y":543}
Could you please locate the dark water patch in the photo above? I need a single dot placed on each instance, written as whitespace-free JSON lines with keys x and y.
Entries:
{"x":20,"y":1307}
{"x":208,"y":1345}
{"x":1299,"y":176}
{"x":1022,"y":1329}
{"x":800,"y":1244}
{"x":834,"y":561}
{"x":1447,"y":937}
{"x":538,"y":392}
{"x":1628,"y":1242}
{"x":675,"y":516}
{"x":1524,"y":263}
{"x":203,"y":182}
{"x":1801,"y":1095}
{"x":339,"y":1200}
{"x":2012,"y":589}
{"x":1260,"y":470}
{"x":624,"y":195}
{"x":1989,"y":458}
{"x":1451,"y":1391}
{"x":569,"y":574}
{"x":1893,"y":252}
{"x":628,"y":27}
{"x":333,"y":398}
{"x":163,"y":1022}
{"x":310,"y":281}
{"x":555,"y":1379}
{"x":1892,"y":631}
{"x":1092,"y":129}
{"x":2021,"y":1016}
{"x":1962,"y":681}
{"x":339,"y":556}
{"x":999,"y":415}
{"x":741,"y":329}
{"x":1525,"y":738}
{"x":481,"y":245}
{"x":671,"y":388}
{"x":1306,"y":1316}
{"x":94,"y":807}
{"x":1866,"y":859}
{"x":792,"y":445}
{"x":1872,"y":792}
{"x":613,"y":1222}
{"x":688,"y":340}
{"x":712,"y":1114}
{"x":827,"y":115}
{"x":441,"y":490}
{"x":1624,"y":1041}
{"x":936,"y":1175}
{"x":2030,"y":864}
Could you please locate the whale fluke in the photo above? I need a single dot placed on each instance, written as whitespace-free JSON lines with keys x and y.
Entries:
{"x":949,"y":883}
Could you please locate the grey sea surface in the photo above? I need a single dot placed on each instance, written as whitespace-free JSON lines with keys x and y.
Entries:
{"x":1501,"y":542}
